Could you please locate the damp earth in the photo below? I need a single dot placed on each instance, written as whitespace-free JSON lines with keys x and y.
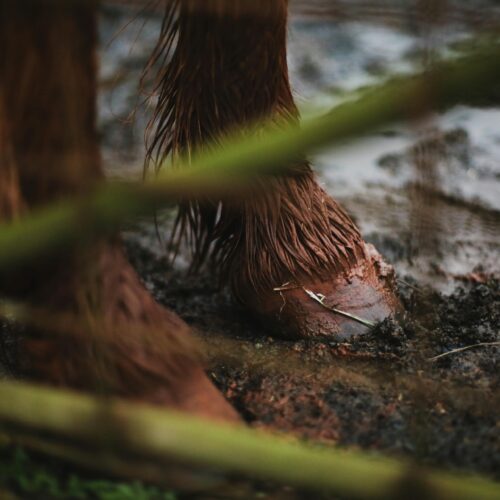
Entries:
{"x":388,"y":390}
{"x":426,"y":194}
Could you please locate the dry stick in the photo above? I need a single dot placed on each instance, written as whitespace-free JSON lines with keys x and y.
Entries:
{"x":156,"y":434}
{"x":462,"y":349}
{"x":320,"y":299}
{"x":413,"y":287}
{"x":467,"y":80}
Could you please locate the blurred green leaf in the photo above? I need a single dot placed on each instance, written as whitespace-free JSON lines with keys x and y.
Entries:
{"x":224,"y":168}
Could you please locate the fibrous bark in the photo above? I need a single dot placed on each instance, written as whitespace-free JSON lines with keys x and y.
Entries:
{"x":224,"y":67}
{"x":101,"y":329}
{"x":11,"y":202}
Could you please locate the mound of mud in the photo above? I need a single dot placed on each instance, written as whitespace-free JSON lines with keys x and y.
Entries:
{"x":384,"y":391}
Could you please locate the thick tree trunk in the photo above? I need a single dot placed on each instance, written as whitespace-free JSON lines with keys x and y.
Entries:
{"x":48,"y":93}
{"x":94,"y":325}
{"x":48,"y":71}
{"x":11,"y":203}
{"x":226,"y":68}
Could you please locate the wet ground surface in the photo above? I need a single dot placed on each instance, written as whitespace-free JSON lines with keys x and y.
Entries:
{"x":383,"y":391}
{"x":428,"y":196}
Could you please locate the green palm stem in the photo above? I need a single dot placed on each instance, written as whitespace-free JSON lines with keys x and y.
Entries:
{"x":226,"y":168}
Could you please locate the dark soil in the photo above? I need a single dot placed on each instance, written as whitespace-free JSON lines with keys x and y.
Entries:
{"x":382,"y":391}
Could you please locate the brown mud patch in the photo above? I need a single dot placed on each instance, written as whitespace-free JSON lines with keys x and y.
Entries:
{"x":381,"y":391}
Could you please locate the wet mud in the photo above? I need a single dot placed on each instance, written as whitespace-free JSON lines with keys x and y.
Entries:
{"x":427,"y":196}
{"x":383,"y":391}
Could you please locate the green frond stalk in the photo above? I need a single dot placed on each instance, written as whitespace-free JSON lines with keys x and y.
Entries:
{"x":151,"y":433}
{"x":471,"y":79}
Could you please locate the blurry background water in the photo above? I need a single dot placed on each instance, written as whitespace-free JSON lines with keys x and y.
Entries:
{"x":427,"y":193}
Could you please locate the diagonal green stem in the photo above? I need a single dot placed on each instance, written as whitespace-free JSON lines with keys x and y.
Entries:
{"x":152,"y":433}
{"x":227,"y":168}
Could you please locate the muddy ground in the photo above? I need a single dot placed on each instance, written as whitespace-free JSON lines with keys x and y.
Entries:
{"x":382,"y":391}
{"x":427,"y":196}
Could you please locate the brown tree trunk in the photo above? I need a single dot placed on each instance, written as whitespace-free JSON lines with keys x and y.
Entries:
{"x":227,"y":68}
{"x":94,"y":325}
{"x":48,"y":94}
{"x":11,"y":203}
{"x":48,"y":71}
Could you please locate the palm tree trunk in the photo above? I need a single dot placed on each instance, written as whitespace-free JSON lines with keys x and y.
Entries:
{"x":48,"y":74}
{"x":93,"y":326}
{"x":226,"y":69}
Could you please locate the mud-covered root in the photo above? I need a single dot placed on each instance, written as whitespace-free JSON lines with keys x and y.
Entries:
{"x":227,"y":69}
{"x":339,"y":306}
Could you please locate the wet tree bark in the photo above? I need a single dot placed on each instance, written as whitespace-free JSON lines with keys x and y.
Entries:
{"x":48,"y":85}
{"x":101,"y":328}
{"x":11,"y":202}
{"x":48,"y":141}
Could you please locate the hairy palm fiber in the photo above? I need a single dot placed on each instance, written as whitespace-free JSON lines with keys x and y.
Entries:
{"x":103,"y":330}
{"x":115,"y":336}
{"x":11,"y":203}
{"x":222,"y":66}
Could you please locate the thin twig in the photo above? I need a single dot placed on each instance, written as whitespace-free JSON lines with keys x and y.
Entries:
{"x":286,"y":286}
{"x":462,"y":349}
{"x":320,"y":299}
{"x":413,"y":287}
